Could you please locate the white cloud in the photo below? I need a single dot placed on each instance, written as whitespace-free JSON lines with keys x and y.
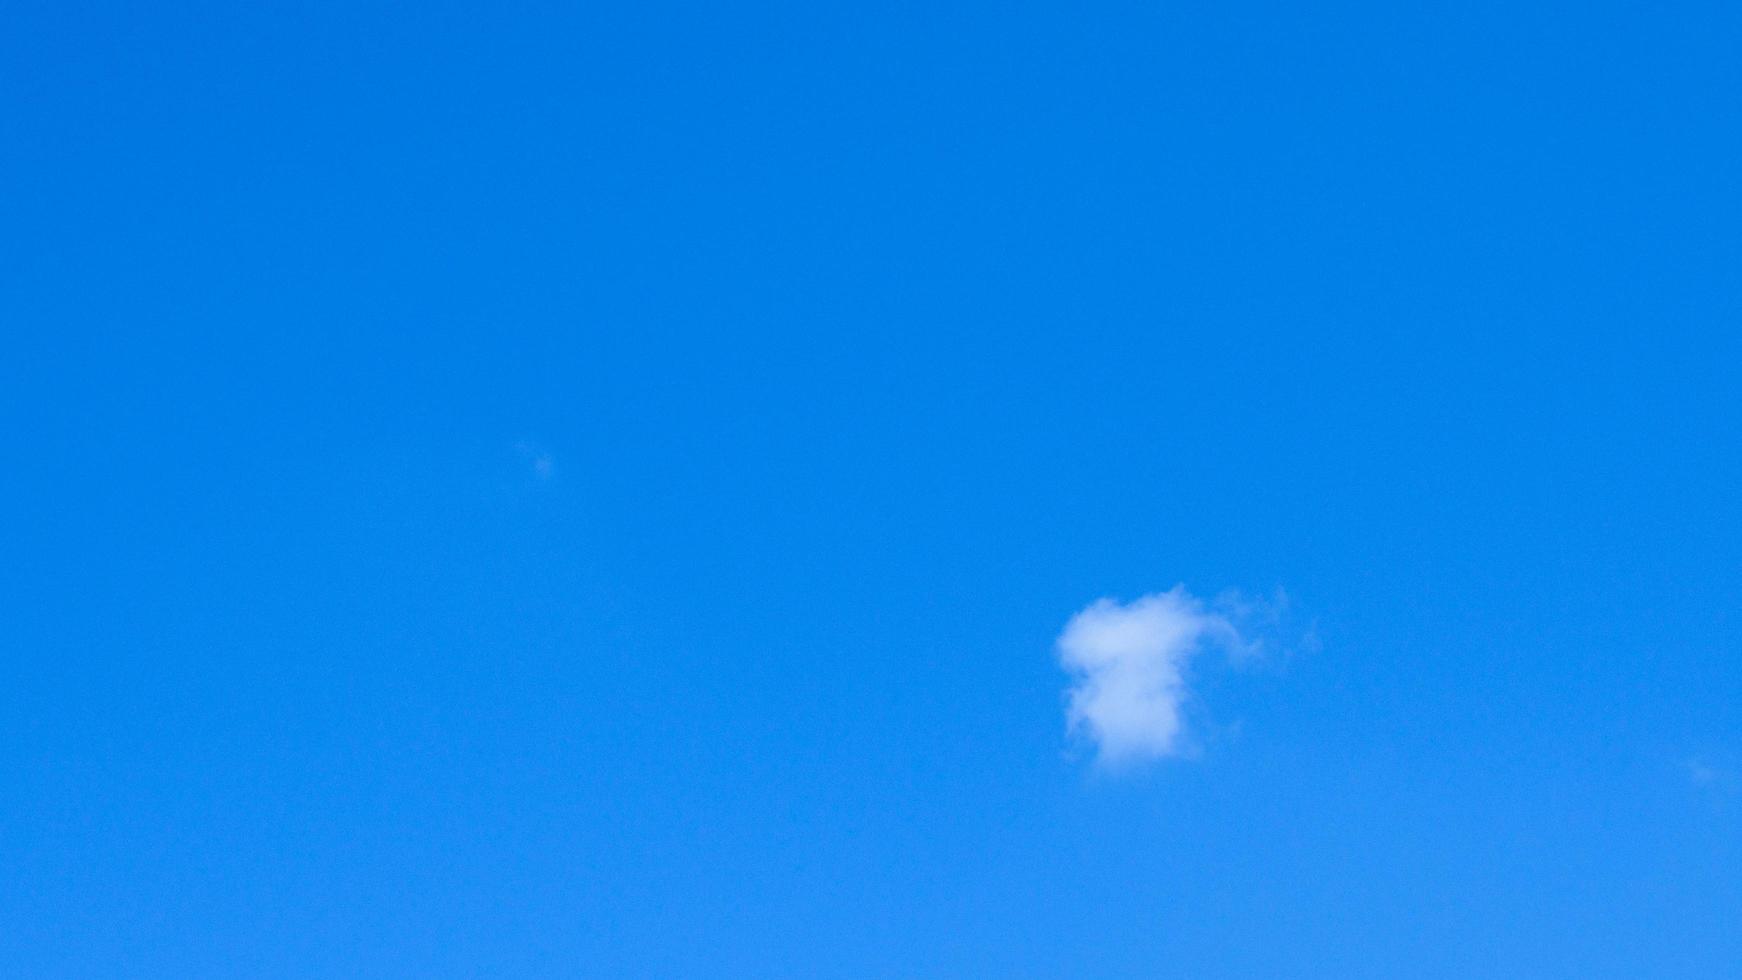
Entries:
{"x":1129,"y":665}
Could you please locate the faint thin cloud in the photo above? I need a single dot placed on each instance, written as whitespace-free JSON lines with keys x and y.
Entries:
{"x":1700,"y":773}
{"x":1709,"y":776}
{"x":537,"y":459}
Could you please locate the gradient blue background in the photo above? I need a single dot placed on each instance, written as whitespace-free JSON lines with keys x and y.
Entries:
{"x":864,"y":346}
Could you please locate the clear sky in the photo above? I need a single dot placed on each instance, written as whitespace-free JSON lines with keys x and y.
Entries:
{"x":565,"y":489}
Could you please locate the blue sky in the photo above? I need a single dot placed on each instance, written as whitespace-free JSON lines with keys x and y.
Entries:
{"x":598,"y":490}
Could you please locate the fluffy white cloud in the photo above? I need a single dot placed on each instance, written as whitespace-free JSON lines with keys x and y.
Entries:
{"x":1129,"y":668}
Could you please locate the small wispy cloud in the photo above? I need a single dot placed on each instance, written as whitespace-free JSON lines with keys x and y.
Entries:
{"x":1710,"y":777}
{"x":537,"y":459}
{"x":1130,"y":665}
